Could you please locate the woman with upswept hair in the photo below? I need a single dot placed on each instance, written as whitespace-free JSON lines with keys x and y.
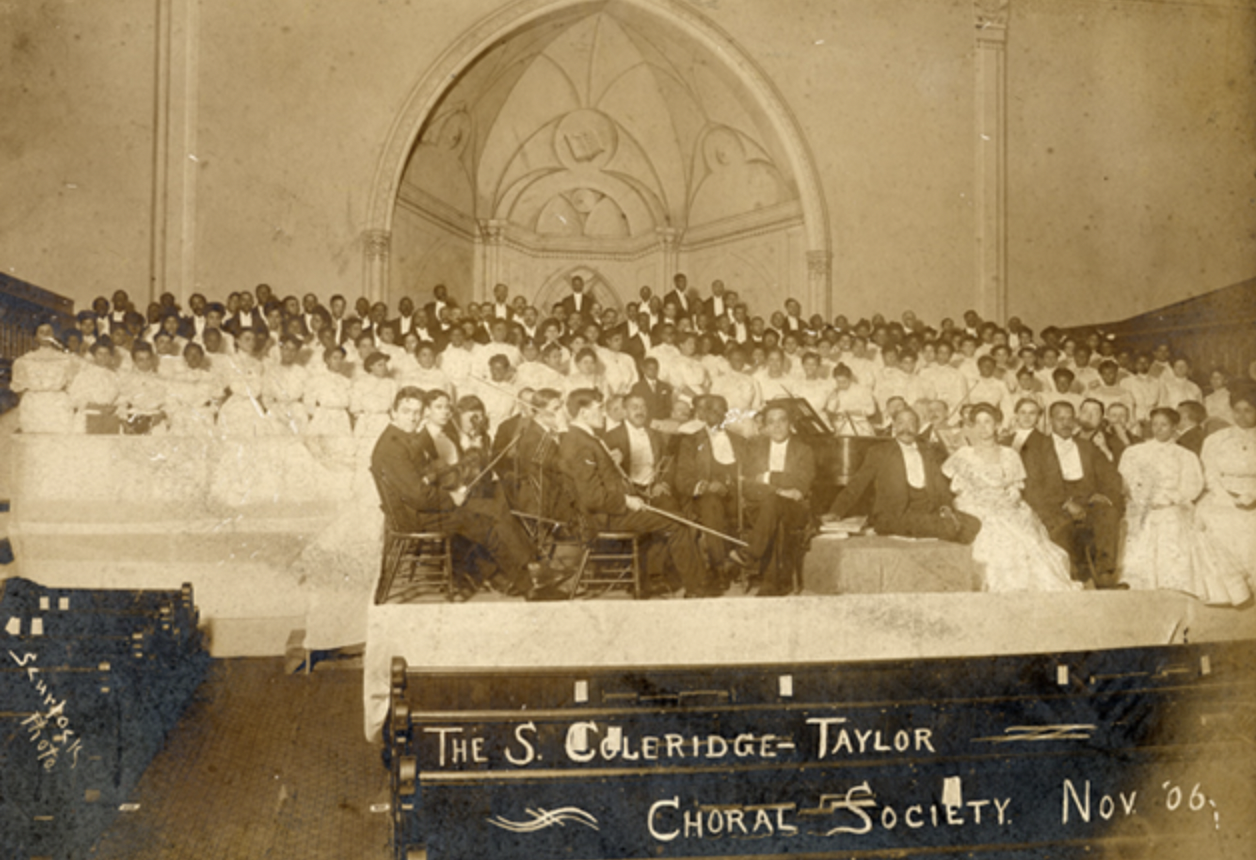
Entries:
{"x":1013,"y":546}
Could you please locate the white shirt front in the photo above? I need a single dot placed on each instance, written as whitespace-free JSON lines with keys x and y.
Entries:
{"x":640,"y":453}
{"x":722,"y":447}
{"x":915,"y":465}
{"x":1070,"y":458}
{"x":776,"y":456}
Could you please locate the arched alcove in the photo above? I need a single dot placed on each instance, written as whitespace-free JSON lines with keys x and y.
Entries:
{"x":632,"y":138}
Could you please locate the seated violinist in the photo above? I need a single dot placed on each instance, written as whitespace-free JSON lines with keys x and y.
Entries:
{"x":534,"y":483}
{"x":604,"y":494}
{"x":421,"y":469}
{"x":640,"y":451}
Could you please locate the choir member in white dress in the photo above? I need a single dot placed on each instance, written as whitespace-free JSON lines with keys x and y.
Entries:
{"x":1177,"y":386}
{"x":1162,"y":548}
{"x":851,"y":406}
{"x":142,"y":394}
{"x":41,"y":377}
{"x":1227,"y":511}
{"x":370,"y":399}
{"x":192,"y":395}
{"x":284,"y":387}
{"x":407,"y":363}
{"x":243,"y":414}
{"x":425,"y":374}
{"x":326,"y":397}
{"x":1012,"y":546}
{"x":1217,"y":402}
{"x":94,"y":392}
{"x":815,"y":387}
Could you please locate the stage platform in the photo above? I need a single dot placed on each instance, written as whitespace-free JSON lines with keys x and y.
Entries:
{"x":254,"y":525}
{"x":233,"y":517}
{"x":780,"y":630}
{"x":887,"y":565}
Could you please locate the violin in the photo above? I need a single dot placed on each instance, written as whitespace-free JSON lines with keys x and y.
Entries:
{"x":476,"y":453}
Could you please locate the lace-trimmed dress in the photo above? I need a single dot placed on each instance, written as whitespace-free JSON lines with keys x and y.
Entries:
{"x":41,"y":377}
{"x":1163,"y":549}
{"x":1225,"y":512}
{"x":1012,"y":546}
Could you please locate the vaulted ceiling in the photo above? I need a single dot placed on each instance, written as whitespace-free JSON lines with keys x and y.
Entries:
{"x":604,"y":123}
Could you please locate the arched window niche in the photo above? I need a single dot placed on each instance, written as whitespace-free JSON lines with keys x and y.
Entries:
{"x":626,"y":141}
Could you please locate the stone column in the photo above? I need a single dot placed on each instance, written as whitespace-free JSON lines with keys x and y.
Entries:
{"x":669,"y":258}
{"x":175,"y":166}
{"x":489,"y":258}
{"x":820,"y":282}
{"x":991,"y":185}
{"x":376,"y":245}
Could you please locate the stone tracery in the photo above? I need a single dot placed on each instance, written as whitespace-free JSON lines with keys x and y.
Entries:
{"x":586,"y":139}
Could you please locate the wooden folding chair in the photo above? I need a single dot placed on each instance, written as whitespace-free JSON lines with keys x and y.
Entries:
{"x":427,"y":555}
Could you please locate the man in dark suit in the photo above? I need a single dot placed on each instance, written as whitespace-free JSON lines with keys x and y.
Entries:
{"x":793,"y":322}
{"x":637,"y":339}
{"x":530,"y":471}
{"x":686,"y":302}
{"x":247,"y":316}
{"x":403,"y":323}
{"x":407,"y":472}
{"x":912,"y":496}
{"x":500,"y":307}
{"x":657,"y":393}
{"x":717,"y":305}
{"x":1092,"y":427}
{"x":640,"y":451}
{"x":602,"y":492}
{"x":1076,"y":492}
{"x":708,"y":463}
{"x":192,"y":326}
{"x":780,"y":469}
{"x":440,"y":301}
{"x":577,"y":302}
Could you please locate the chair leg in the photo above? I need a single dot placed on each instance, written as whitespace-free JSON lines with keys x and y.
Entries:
{"x":448,"y":569}
{"x":578,"y":580}
{"x":638,"y":577}
{"x":387,"y":570}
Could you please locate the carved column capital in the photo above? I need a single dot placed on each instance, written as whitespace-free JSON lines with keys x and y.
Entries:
{"x":376,"y":244}
{"x":820,"y":263}
{"x":991,"y":18}
{"x":492,"y":230}
{"x":669,"y":237}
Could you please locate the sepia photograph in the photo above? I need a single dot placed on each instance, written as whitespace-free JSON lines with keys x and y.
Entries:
{"x":627,"y":429}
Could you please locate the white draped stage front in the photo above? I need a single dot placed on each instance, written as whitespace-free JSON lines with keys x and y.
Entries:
{"x":283,"y":534}
{"x":276,"y":534}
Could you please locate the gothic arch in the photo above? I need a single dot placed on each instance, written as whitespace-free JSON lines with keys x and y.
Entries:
{"x":516,"y":17}
{"x":597,"y":285}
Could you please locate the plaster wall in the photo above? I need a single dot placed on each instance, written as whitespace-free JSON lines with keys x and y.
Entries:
{"x":76,"y":97}
{"x":296,"y":101}
{"x":425,"y":253}
{"x":1131,"y":155}
{"x":763,"y":269}
{"x":885,"y":96}
{"x":1130,"y":143}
